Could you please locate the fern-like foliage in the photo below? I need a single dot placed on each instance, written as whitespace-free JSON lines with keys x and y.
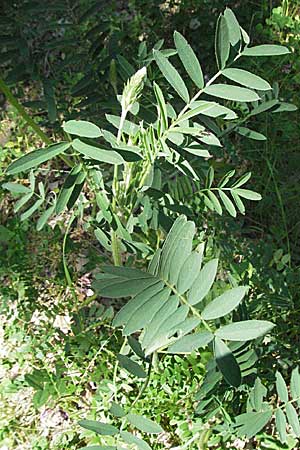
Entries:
{"x":166,"y":302}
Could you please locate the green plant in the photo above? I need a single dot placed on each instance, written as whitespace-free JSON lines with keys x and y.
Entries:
{"x":132,"y":208}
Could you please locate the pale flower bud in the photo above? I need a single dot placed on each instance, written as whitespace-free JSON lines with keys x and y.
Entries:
{"x":133,"y":89}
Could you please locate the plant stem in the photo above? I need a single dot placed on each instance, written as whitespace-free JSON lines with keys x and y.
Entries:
{"x":21,"y":110}
{"x":116,"y":250}
{"x":115,"y":242}
{"x":144,"y":386}
{"x":185,"y":302}
{"x":30,"y":122}
{"x":65,"y":265}
{"x":116,"y":369}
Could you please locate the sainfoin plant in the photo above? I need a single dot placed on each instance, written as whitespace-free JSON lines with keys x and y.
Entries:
{"x":149,"y":178}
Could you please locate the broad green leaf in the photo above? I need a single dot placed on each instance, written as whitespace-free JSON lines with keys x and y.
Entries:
{"x":22,"y":201}
{"x":281,"y":423}
{"x":162,"y":108}
{"x":45,"y":217}
{"x":247,"y":79}
{"x":283,"y":107}
{"x":65,"y":193}
{"x":180,"y":252}
{"x":224,"y":304}
{"x":245,"y":330}
{"x":222,"y":43}
{"x":129,"y":273}
{"x":189,"y":59}
{"x":170,"y":245}
{"x":217,"y":110}
{"x":82,"y":128}
{"x":189,"y":272}
{"x":169,"y":327}
{"x":292,"y":418}
{"x":227,"y":203}
{"x":145,"y":313}
{"x":103,"y":239}
{"x":240,"y":205}
{"x":198,"y":151}
{"x":144,"y":424}
{"x":37,"y":157}
{"x":216,"y":204}
{"x":117,"y":410}
{"x":243,"y":180}
{"x":99,"y":427}
{"x":250,"y":195}
{"x":16,"y":188}
{"x":131,"y":366}
{"x":129,"y":128}
{"x":233,"y":27}
{"x":224,"y":181}
{"x":188,"y":325}
{"x":266,"y":50}
{"x":210,"y":176}
{"x":209,"y":138}
{"x":25,"y":215}
{"x":203,"y":282}
{"x":197,"y":108}
{"x":281,"y":388}
{"x":245,"y":36}
{"x":156,"y":326}
{"x":154,"y":263}
{"x":243,"y":131}
{"x":227,"y":363}
{"x":252,"y":423}
{"x":295,"y":384}
{"x":136,"y":347}
{"x":171,"y":75}
{"x":98,"y":154}
{"x":129,"y":438}
{"x":259,"y":392}
{"x":125,"y":288}
{"x":265,"y":106}
{"x":129,"y":310}
{"x":230,"y":92}
{"x":191,"y":342}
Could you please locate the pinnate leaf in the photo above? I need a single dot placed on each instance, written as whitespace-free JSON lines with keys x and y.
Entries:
{"x":281,"y":388}
{"x":37,"y":157}
{"x":131,"y":366}
{"x":96,"y":153}
{"x":144,"y":424}
{"x":99,"y":427}
{"x":266,"y":50}
{"x":245,"y":330}
{"x":171,"y":75}
{"x":189,"y":59}
{"x":82,"y":128}
{"x":230,"y":92}
{"x":227,"y":363}
{"x":224,"y":304}
{"x":247,"y":79}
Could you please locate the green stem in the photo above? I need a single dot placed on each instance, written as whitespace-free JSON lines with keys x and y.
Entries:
{"x":185,"y":302}
{"x":116,"y":369}
{"x":65,"y":264}
{"x":21,"y":110}
{"x":144,"y":386}
{"x":115,"y":242}
{"x":116,"y":249}
{"x":140,"y":393}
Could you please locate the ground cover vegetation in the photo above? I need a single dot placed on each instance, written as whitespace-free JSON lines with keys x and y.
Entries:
{"x":149,"y":225}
